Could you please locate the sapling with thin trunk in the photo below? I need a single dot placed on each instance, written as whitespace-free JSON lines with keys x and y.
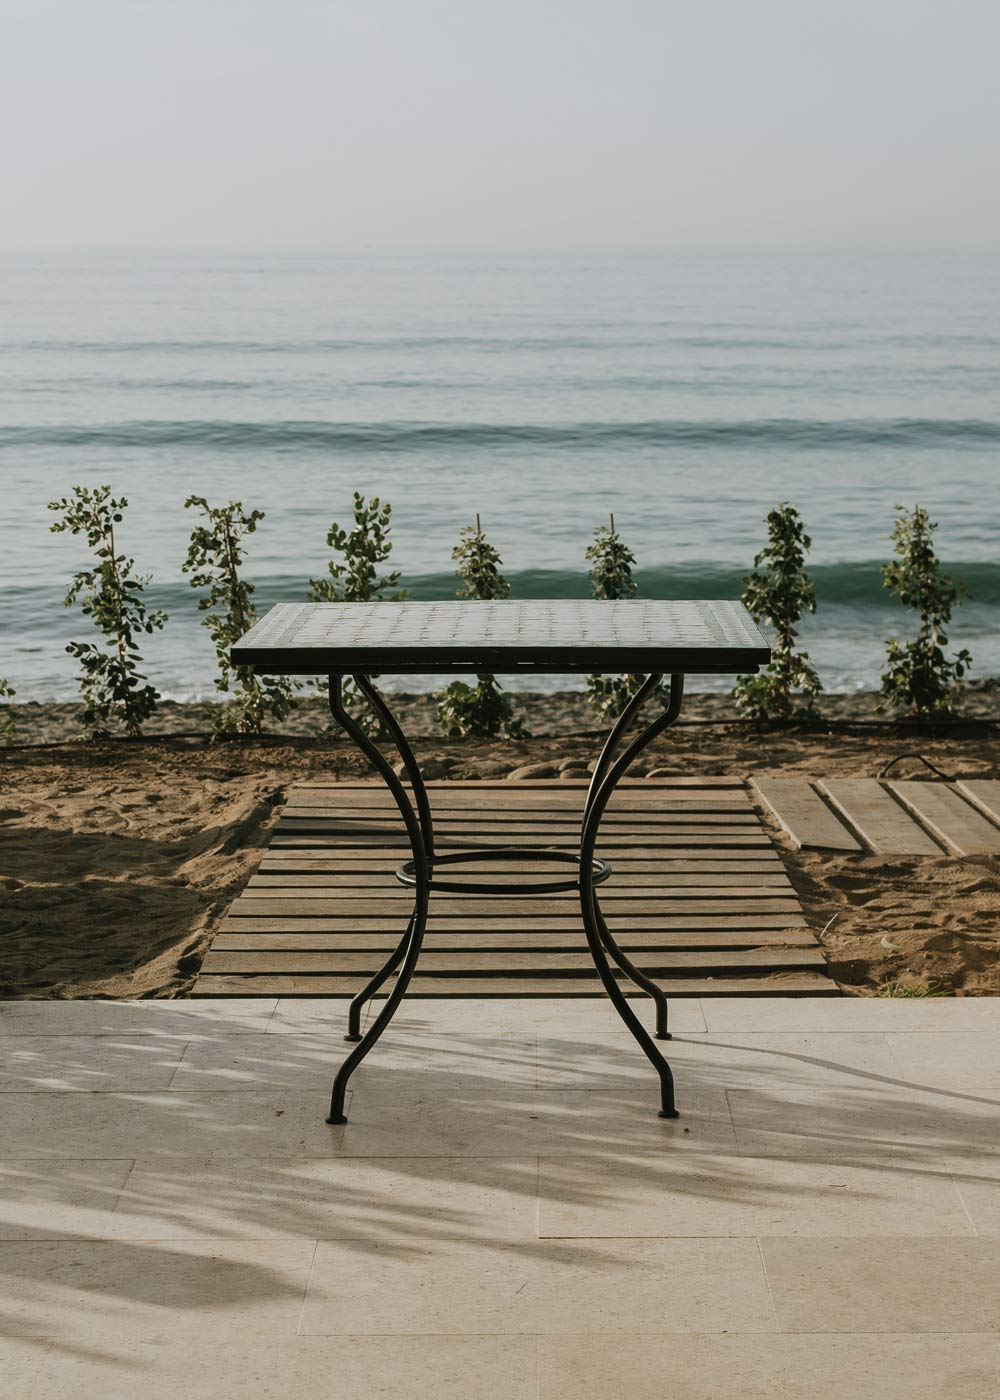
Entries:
{"x":778,"y":592}
{"x":214,"y":559}
{"x":611,"y":578}
{"x":354,"y":578}
{"x":482,"y":711}
{"x":919,"y":679}
{"x":115,"y":692}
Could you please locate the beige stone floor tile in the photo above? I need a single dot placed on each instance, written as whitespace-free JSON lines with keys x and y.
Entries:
{"x":513,"y":1015}
{"x":851,"y":1014}
{"x":53,"y":1199}
{"x":543,"y":1287}
{"x":89,"y":1291}
{"x":409,"y":1064}
{"x":302,"y":1015}
{"x":532,"y":1122}
{"x":275,"y":1123}
{"x":691,"y":1194}
{"x":413,"y":1200}
{"x":898,"y":1285}
{"x":185,"y":1017}
{"x":977,"y":1179}
{"x":823,"y":1121}
{"x":962,"y":1060}
{"x":769,"y":1368}
{"x":718,"y":1061}
{"x":21,"y":1359}
{"x":96,"y":1063}
{"x":297,"y":1368}
{"x":306,"y":1063}
{"x":403,"y":1065}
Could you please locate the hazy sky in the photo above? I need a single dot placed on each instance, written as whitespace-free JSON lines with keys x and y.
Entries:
{"x":306,"y":124}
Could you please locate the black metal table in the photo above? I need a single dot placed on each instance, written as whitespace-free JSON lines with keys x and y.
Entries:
{"x":654,"y":639}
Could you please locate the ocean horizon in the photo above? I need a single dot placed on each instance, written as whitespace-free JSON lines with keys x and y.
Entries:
{"x":687,"y":393}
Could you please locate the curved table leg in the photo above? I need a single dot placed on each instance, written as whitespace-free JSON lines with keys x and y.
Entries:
{"x":607,"y":774}
{"x":611,"y":746}
{"x":419,"y":830}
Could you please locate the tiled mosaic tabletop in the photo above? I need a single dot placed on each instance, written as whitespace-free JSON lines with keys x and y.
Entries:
{"x":506,"y":637}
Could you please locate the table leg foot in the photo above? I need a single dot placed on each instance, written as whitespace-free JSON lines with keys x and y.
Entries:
{"x":362,"y":998}
{"x":639,"y":979}
{"x":663,"y":1113}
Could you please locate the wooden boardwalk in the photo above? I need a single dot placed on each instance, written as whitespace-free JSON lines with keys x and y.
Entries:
{"x":699,"y":896}
{"x":891,"y":818}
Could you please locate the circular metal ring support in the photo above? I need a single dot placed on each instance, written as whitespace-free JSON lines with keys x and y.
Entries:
{"x":406,"y":874}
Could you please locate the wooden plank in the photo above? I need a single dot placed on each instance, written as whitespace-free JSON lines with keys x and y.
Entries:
{"x":753,"y":869}
{"x":485,"y":819}
{"x":878,"y":818}
{"x":532,"y":962}
{"x":506,"y":784}
{"x":790,"y":984}
{"x":985,"y":793}
{"x":535,"y":938}
{"x":723,"y":800}
{"x":258,"y":903}
{"x":949,"y":818}
{"x":504,"y":827}
{"x":488,"y":810}
{"x":727,"y":884}
{"x":394,"y":924}
{"x":682,"y":839}
{"x":704,"y":858}
{"x":804,"y":815}
{"x":389,"y":889}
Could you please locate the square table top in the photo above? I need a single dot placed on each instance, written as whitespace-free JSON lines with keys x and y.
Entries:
{"x":505,"y":637}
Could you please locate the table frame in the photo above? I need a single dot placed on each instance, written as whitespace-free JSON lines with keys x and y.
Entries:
{"x":419,"y":873}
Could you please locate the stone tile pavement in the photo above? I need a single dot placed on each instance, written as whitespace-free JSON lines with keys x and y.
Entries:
{"x":504,"y":1215}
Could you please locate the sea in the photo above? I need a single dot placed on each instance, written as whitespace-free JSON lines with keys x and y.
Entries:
{"x":688,"y":393}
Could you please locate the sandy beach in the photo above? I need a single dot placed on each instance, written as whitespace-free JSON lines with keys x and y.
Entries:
{"x":118,"y":858}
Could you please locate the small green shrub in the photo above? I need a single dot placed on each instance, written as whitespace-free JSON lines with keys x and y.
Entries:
{"x":354,"y":579}
{"x":213,"y":560}
{"x":7,"y":726}
{"x":111,"y":595}
{"x":611,"y":578}
{"x":919,"y":679}
{"x":483,"y":710}
{"x":778,"y":592}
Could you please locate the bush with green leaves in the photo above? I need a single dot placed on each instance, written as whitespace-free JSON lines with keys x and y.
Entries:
{"x":778,"y":592}
{"x":482,"y":710}
{"x":611,"y":578}
{"x":7,"y":727}
{"x":354,"y":578}
{"x":110,"y":593}
{"x":214,"y":557}
{"x":919,"y":678}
